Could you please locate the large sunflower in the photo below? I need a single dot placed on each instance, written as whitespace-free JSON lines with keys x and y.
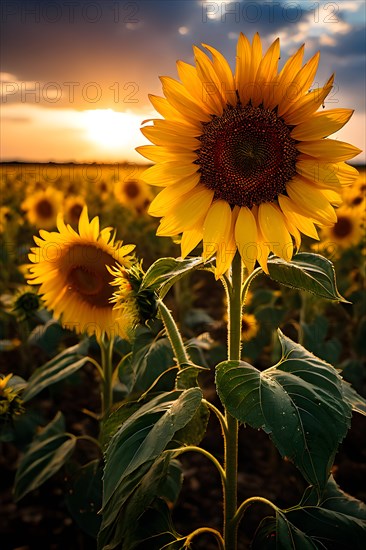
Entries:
{"x":243,"y":157}
{"x":72,"y":270}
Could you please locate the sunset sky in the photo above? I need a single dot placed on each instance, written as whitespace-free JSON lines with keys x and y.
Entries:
{"x":75,"y":75}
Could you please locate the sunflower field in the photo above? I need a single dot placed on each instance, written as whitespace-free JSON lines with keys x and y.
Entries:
{"x":33,"y":195}
{"x":183,"y":343}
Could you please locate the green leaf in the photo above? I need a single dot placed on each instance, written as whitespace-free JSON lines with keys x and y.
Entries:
{"x":140,"y":440}
{"x":60,"y":367}
{"x":278,"y":533}
{"x":46,"y":455}
{"x":357,"y":402}
{"x":149,"y":362}
{"x":160,"y":480}
{"x":333,"y":498}
{"x":299,"y":402}
{"x":195,"y":430}
{"x":166,"y":271}
{"x":332,"y":529}
{"x":114,"y":421}
{"x":84,"y":497}
{"x":310,"y":272}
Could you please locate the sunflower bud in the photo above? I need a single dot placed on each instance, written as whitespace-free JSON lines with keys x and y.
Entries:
{"x":10,"y":402}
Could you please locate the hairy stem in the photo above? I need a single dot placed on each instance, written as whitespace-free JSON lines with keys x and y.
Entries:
{"x":106,"y":350}
{"x":231,"y":440}
{"x":173,"y":333}
{"x":203,"y":530}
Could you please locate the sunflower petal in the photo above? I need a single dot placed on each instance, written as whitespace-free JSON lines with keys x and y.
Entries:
{"x":188,"y":213}
{"x":168,"y":198}
{"x":310,"y":201}
{"x":329,"y":149}
{"x":224,"y":75}
{"x":166,"y":173}
{"x":267,"y":72}
{"x":274,"y":231}
{"x":246,"y":237}
{"x":308,"y":104}
{"x":211,"y":85}
{"x":216,"y":227}
{"x":179,"y":97}
{"x":190,"y":239}
{"x":303,"y":223}
{"x":322,"y":124}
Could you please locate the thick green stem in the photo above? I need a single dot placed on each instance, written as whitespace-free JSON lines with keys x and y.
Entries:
{"x":174,"y":336}
{"x":231,"y":442}
{"x":106,"y":350}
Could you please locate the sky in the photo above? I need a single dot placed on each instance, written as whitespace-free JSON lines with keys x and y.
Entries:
{"x":75,"y":74}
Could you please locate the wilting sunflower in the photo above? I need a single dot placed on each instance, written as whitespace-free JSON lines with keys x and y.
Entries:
{"x":133,"y":193}
{"x":243,"y":157}
{"x":43,"y":207}
{"x":72,"y":270}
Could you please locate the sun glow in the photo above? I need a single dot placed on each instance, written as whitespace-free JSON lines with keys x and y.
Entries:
{"x":111,"y":130}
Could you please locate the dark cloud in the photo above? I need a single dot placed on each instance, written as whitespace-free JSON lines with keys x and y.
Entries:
{"x":123,"y":46}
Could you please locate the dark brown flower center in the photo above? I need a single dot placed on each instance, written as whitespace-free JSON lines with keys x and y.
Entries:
{"x":87,"y":274}
{"x":247,"y":156}
{"x":75,"y":212}
{"x":343,"y":227}
{"x":44,"y":208}
{"x":131,"y":189}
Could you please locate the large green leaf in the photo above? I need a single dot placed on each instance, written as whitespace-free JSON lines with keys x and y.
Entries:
{"x":60,"y":367}
{"x":139,"y":441}
{"x":357,"y":402}
{"x":299,"y":402}
{"x":166,"y":271}
{"x":84,"y":497}
{"x":278,"y":533}
{"x":45,"y":456}
{"x":306,"y":271}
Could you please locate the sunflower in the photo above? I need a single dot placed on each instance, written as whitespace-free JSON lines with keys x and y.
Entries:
{"x":133,"y":193}
{"x":242,"y":157}
{"x":73,"y":207}
{"x":72,"y":270}
{"x":348,"y":231}
{"x":43,"y":207}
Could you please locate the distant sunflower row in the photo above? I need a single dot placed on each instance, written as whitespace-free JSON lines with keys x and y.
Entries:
{"x":43,"y":206}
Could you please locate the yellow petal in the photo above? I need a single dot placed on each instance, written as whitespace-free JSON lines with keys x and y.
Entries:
{"x":246,"y":237}
{"x":182,"y":101}
{"x":299,"y":85}
{"x":216,"y":227}
{"x":335,"y":198}
{"x":166,"y":138}
{"x":190,"y":239}
{"x":162,"y":106}
{"x":166,"y":173}
{"x":322,"y":124}
{"x":226,"y":252}
{"x":329,"y":149}
{"x":161,"y":154}
{"x":188,"y":213}
{"x":169,"y":198}
{"x":303,"y":223}
{"x":190,"y":79}
{"x":306,"y":106}
{"x":255,"y":60}
{"x":242,"y":69}
{"x":178,"y":128}
{"x":211,"y":84}
{"x":326,"y":174}
{"x":286,"y":76}
{"x":274,"y":231}
{"x":267,"y":72}
{"x":310,"y":201}
{"x":224,"y":75}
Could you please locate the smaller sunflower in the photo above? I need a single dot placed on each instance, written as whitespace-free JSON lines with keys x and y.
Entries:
{"x":140,"y":305}
{"x":249,"y":327}
{"x":72,"y":270}
{"x":348,"y":231}
{"x":10,"y":402}
{"x":73,"y":208}
{"x":134,"y":194}
{"x":43,"y":207}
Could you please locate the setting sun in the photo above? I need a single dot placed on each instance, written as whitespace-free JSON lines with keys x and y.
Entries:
{"x":109,"y":129}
